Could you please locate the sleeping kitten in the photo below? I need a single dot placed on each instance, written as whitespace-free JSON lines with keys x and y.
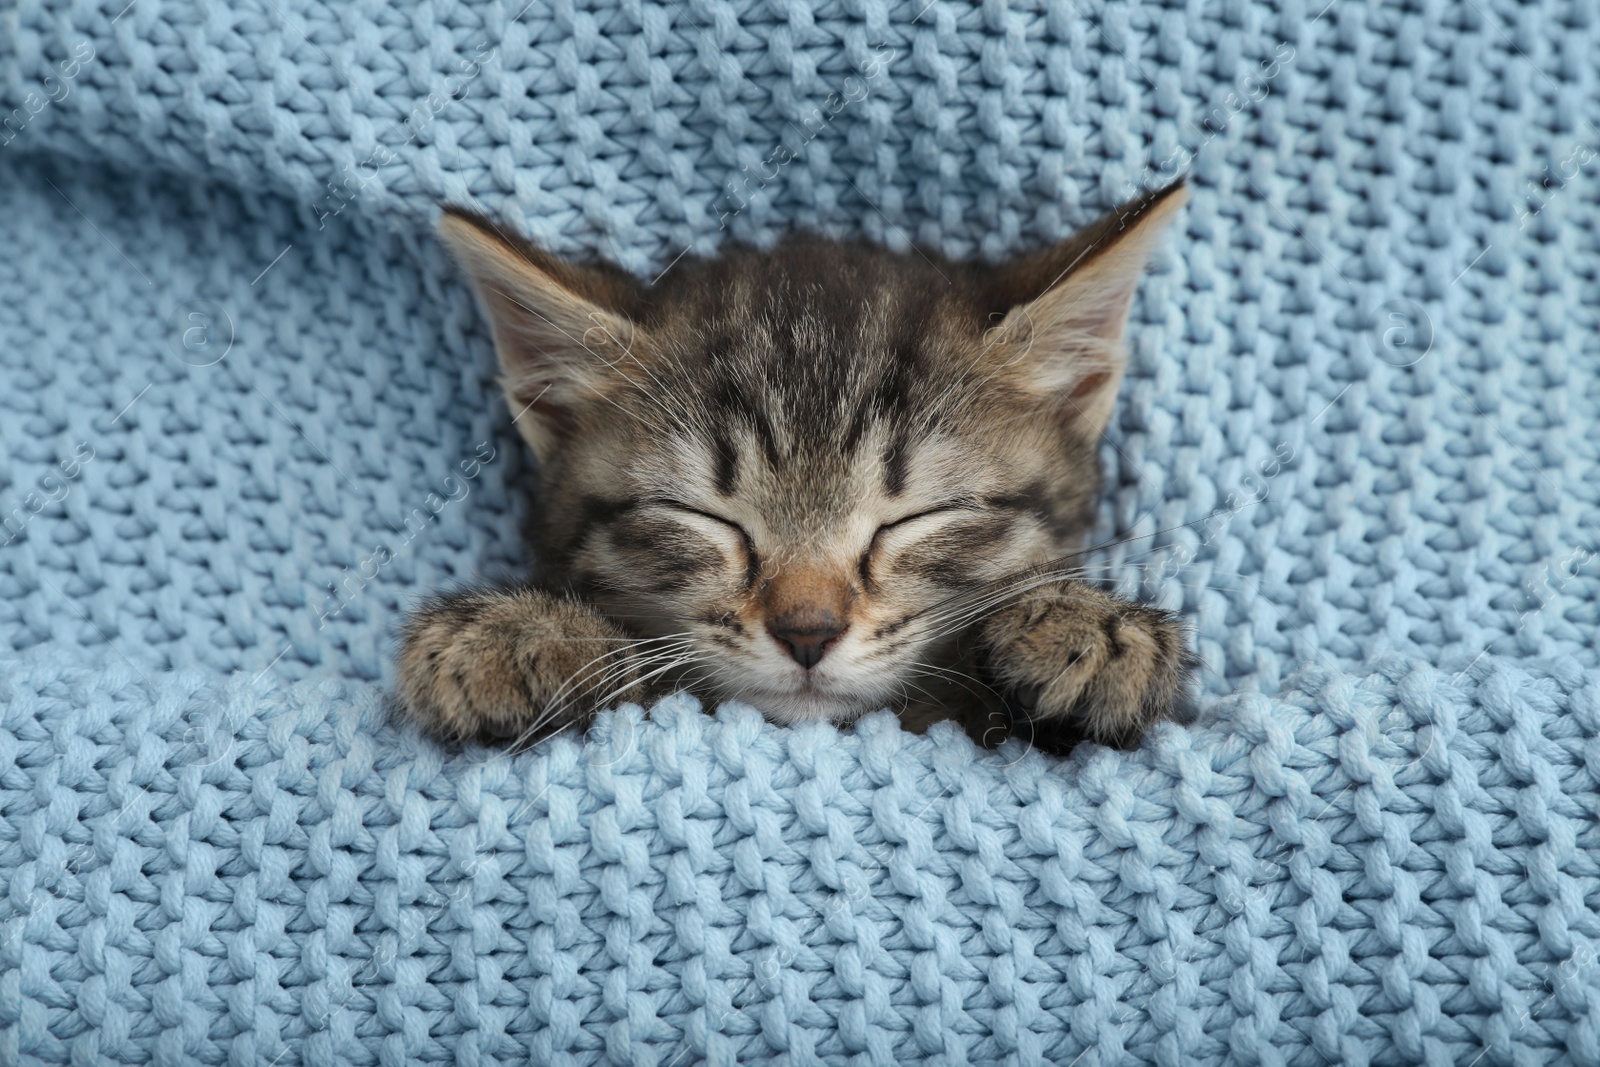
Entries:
{"x":822,"y":480}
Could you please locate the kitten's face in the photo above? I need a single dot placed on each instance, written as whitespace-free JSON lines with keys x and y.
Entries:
{"x":805,"y":490}
{"x":804,"y":470}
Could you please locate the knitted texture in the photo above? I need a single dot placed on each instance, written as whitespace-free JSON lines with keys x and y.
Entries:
{"x":1387,"y":869}
{"x":1361,"y":420}
{"x":1367,"y":282}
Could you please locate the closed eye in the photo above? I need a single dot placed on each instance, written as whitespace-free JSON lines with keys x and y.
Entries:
{"x":889,"y":527}
{"x":941,"y":509}
{"x":752,"y":561}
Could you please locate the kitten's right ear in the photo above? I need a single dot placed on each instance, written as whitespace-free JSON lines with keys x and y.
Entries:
{"x":1065,"y":310}
{"x":559,"y":330}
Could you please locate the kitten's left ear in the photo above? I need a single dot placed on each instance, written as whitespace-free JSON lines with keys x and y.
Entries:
{"x":1062,"y":312}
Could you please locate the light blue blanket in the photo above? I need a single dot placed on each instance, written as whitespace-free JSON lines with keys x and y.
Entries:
{"x":1360,"y":438}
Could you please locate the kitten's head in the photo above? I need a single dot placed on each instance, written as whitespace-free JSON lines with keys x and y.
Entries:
{"x":812,"y":464}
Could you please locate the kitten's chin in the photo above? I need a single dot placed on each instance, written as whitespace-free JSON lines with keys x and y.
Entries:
{"x":787,"y":709}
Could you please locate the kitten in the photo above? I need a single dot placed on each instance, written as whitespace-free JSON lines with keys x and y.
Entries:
{"x":822,"y":479}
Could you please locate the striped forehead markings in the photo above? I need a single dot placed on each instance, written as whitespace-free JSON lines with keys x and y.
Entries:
{"x":727,"y":463}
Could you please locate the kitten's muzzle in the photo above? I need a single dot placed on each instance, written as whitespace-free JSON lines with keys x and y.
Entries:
{"x":806,"y":638}
{"x":807,"y":606}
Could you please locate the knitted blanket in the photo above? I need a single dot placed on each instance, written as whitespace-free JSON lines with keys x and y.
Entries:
{"x":247,"y":416}
{"x":1390,"y":869}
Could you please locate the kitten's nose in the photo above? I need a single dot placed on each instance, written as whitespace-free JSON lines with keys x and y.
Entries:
{"x":808,"y":638}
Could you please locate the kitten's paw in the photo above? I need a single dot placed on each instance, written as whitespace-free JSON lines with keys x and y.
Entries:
{"x":513,"y":664}
{"x":1080,"y":662}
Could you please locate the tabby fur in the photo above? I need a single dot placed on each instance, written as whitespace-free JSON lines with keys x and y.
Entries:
{"x":821,"y":479}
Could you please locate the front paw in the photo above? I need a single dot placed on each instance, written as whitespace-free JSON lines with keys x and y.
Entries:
{"x":518,"y":664}
{"x":1080,"y":662}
